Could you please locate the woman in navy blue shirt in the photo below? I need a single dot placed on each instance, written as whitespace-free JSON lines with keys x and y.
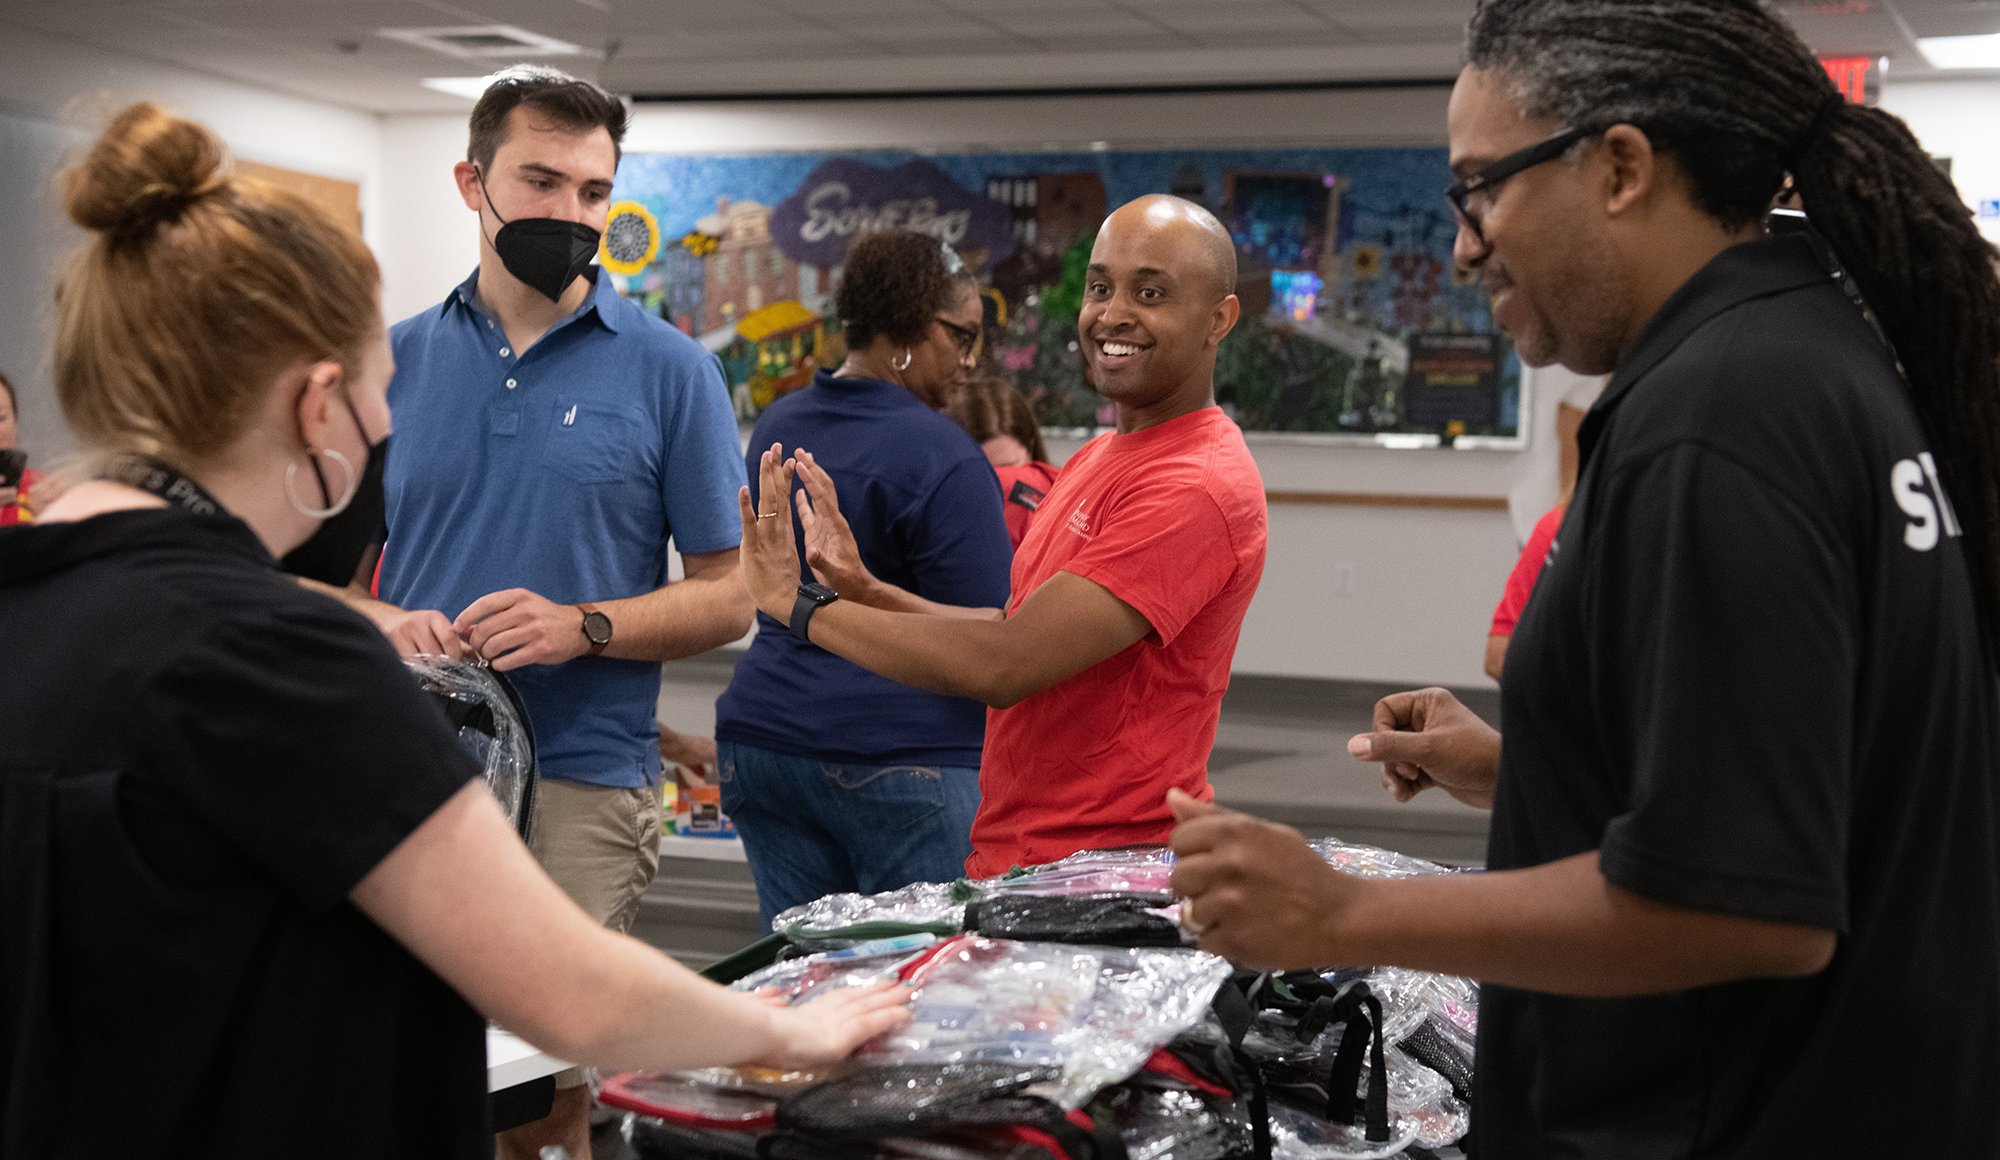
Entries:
{"x":836,"y":778}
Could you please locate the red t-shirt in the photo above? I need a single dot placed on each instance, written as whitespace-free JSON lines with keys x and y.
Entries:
{"x":11,"y":513}
{"x":1024,"y":487}
{"x":1171,"y":521}
{"x":1521,"y":581}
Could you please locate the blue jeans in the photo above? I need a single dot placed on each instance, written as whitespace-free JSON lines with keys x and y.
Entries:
{"x":814,"y":827}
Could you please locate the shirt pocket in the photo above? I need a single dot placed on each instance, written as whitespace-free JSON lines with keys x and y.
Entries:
{"x":594,"y":442}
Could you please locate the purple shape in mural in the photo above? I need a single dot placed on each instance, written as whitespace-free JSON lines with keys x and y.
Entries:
{"x":842,"y":199}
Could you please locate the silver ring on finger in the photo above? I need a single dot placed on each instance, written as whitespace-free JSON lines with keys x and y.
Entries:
{"x":1188,"y":922}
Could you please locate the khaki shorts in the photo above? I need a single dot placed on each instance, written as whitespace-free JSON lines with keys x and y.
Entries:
{"x":602,"y":846}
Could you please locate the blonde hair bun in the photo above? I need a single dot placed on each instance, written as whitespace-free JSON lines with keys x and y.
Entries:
{"x":144,"y":171}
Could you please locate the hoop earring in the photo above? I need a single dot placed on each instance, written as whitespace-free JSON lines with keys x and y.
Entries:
{"x":905,"y":364}
{"x":346,"y":495}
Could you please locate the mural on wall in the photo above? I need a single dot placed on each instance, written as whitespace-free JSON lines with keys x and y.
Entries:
{"x":1354,"y":319}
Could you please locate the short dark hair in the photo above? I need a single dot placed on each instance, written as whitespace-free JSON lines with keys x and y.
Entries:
{"x":894,"y":283}
{"x":576,"y":105}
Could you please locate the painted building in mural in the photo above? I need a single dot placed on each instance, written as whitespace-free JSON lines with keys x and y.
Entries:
{"x":747,"y":270}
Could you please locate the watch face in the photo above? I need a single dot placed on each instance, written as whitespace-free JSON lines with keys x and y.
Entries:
{"x":818,"y":593}
{"x":597,"y":627}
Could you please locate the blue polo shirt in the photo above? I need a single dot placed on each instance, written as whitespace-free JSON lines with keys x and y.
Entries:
{"x":924,"y":505}
{"x":562,"y":470}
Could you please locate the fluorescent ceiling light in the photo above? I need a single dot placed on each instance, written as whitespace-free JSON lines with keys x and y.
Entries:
{"x":1961,"y":51}
{"x":468,"y":87}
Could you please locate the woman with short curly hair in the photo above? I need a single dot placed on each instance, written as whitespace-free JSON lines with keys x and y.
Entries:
{"x":838,"y":779}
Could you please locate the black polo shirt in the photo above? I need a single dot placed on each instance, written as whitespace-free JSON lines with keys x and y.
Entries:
{"x":198,"y":762}
{"x":1750,"y":675}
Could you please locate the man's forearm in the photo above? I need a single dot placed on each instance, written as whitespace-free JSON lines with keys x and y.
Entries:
{"x":1562,"y":928}
{"x":685,"y":618}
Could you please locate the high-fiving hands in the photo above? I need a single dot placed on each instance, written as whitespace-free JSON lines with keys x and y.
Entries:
{"x":770,"y":558}
{"x":831,"y":550}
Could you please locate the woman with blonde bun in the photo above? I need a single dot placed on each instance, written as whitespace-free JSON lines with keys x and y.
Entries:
{"x":253,"y":898}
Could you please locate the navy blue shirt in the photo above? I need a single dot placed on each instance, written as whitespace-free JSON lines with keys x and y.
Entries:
{"x":925,"y":508}
{"x":562,"y":470}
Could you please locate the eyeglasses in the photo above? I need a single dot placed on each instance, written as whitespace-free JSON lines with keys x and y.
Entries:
{"x":1463,"y":193}
{"x":967,"y":339}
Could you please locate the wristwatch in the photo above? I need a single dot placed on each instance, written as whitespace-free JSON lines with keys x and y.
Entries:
{"x":596,"y":628}
{"x":812,"y":597}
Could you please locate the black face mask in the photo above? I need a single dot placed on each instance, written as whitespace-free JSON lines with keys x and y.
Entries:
{"x":333,"y":552}
{"x":546,"y":254}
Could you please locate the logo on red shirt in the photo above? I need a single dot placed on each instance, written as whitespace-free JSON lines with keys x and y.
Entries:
{"x":1079,"y":522}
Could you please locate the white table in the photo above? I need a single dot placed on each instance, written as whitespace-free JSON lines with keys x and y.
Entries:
{"x":511,"y":1060}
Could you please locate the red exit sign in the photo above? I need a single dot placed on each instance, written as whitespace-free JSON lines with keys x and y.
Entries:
{"x":1850,"y":75}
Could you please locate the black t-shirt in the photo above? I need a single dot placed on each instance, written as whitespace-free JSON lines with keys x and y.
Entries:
{"x":198,"y":761}
{"x":1750,"y":675}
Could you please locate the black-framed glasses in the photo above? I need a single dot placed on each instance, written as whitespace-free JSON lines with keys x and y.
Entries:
{"x":1461,"y":193}
{"x":966,"y":338}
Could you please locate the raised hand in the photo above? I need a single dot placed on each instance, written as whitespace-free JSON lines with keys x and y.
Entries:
{"x":1427,"y":738}
{"x":770,"y":559}
{"x":831,"y":551}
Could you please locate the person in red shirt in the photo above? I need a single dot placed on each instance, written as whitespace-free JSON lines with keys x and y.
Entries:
{"x":1520,"y":582}
{"x":1105,"y":673}
{"x":1003,"y":424}
{"x":11,"y":493}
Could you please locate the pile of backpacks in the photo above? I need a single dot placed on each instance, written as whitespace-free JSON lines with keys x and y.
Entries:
{"x":1059,"y":1013}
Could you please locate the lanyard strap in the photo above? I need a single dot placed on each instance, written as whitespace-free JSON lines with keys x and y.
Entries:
{"x":151,"y":475}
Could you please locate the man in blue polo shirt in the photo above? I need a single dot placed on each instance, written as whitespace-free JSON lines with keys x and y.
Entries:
{"x":550,"y":437}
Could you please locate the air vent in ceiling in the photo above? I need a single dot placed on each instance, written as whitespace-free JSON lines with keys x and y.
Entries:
{"x":484,"y":41}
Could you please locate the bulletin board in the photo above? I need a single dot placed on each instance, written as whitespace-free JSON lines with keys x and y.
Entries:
{"x":1355,"y":323}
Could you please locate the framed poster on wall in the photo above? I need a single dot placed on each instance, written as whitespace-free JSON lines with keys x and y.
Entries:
{"x":1355,"y":326}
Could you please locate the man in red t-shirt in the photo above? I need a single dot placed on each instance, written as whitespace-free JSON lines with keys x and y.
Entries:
{"x":1106,"y":671}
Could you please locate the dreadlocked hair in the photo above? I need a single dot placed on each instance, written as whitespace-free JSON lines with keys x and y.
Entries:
{"x":1731,"y":92}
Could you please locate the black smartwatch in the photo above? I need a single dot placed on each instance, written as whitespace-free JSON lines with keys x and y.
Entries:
{"x":596,"y":628}
{"x":812,"y":597}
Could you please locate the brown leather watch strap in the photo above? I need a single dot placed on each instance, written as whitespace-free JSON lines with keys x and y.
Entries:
{"x":596,"y":646}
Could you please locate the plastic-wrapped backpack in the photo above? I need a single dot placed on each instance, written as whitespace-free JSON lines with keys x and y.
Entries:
{"x":1058,"y":1015}
{"x":492,"y":725}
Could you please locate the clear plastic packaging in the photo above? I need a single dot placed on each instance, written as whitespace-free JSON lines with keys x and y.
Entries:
{"x":1165,"y":1124}
{"x":1372,"y":861}
{"x":1126,"y":870}
{"x":678,"y":1099}
{"x":800,"y":979}
{"x":1296,"y":1135}
{"x":918,"y":904}
{"x":489,"y":727}
{"x":1095,"y":1012}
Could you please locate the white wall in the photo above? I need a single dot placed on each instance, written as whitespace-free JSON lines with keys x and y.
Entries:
{"x":428,"y":241}
{"x":1959,"y":119}
{"x":54,"y":95}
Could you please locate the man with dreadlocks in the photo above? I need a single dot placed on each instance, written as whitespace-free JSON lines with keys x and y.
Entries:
{"x":1744,"y":896}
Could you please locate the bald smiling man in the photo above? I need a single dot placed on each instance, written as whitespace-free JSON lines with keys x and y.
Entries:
{"x":1105,"y":673}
